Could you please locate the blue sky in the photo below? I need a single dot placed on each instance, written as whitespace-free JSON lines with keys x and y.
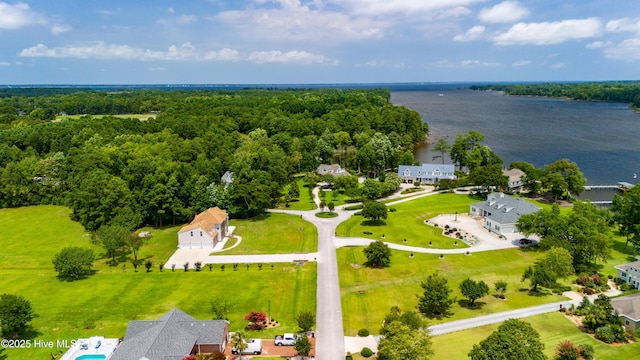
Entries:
{"x":317,"y":41}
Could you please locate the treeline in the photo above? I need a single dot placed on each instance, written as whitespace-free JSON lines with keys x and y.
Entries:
{"x":618,"y":91}
{"x":126,"y":172}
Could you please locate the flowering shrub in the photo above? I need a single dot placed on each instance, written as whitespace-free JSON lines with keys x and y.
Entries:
{"x":257,"y":320}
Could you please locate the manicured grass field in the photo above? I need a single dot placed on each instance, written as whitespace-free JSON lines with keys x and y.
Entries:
{"x":305,"y":202}
{"x":368,"y":294}
{"x":104,"y":303}
{"x":274,"y":233}
{"x":407,"y":222}
{"x":552,"y":327}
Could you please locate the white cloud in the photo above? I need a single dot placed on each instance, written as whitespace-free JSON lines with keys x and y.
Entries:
{"x":403,"y":7}
{"x":184,"y":52}
{"x":170,"y":10}
{"x":225,"y":54}
{"x":18,"y":16}
{"x":623,"y":25}
{"x":58,"y":29}
{"x":505,"y":12}
{"x":186,"y":19}
{"x":382,"y":63}
{"x":159,"y":68}
{"x":93,"y":50}
{"x":628,"y":50}
{"x":521,"y":63}
{"x":471,"y":34}
{"x":293,"y":21}
{"x":4,"y":63}
{"x":598,"y":44}
{"x":548,"y":33}
{"x":295,"y":56}
{"x":559,"y":66}
{"x":469,"y":63}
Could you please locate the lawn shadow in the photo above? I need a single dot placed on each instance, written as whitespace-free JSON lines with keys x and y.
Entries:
{"x":260,"y":217}
{"x":85,"y":276}
{"x":373,"y":223}
{"x":629,"y":251}
{"x":467,"y":304}
{"x":537,"y":293}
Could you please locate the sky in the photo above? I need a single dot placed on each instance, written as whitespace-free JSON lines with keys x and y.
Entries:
{"x":317,"y":41}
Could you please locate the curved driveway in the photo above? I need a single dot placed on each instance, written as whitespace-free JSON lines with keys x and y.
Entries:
{"x":329,"y":328}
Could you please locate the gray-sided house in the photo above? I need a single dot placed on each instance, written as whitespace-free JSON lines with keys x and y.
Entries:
{"x":629,"y":273}
{"x":426,"y":173}
{"x":628,"y":309}
{"x":227,"y":178}
{"x":172,"y":337}
{"x":501,"y":212}
{"x":205,"y":231}
{"x":515,"y":179}
{"x":333,"y":169}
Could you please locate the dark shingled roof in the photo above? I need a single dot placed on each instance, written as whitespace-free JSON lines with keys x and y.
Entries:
{"x":628,"y":305}
{"x":173,"y":336}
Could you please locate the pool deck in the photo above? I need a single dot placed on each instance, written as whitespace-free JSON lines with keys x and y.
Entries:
{"x":106,"y":348}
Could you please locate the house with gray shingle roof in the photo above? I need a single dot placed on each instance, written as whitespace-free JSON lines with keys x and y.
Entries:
{"x":501,"y":212}
{"x":172,"y":337}
{"x":332,"y":169}
{"x":426,"y":173}
{"x":628,"y":309}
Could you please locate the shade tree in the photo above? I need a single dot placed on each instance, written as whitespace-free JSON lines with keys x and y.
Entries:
{"x":473,"y":290}
{"x":436,"y":299}
{"x":403,"y":342}
{"x":378,"y":254}
{"x":374,"y":211}
{"x":15,"y":315}
{"x":513,"y":340}
{"x":73,"y":263}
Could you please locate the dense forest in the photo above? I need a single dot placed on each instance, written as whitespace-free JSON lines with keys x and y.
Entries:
{"x":618,"y":91}
{"x":122,"y":171}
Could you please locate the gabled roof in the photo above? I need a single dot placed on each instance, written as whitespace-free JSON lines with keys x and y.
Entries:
{"x":427,"y":170}
{"x":628,"y":306}
{"x":333,"y":169}
{"x":625,"y":267}
{"x":513,"y":174}
{"x":207,"y":221}
{"x":505,"y":209}
{"x":172,"y":336}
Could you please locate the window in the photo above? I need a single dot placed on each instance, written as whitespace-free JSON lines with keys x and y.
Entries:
{"x":191,"y":233}
{"x":200,"y":233}
{"x":626,"y":322}
{"x":623,"y":275}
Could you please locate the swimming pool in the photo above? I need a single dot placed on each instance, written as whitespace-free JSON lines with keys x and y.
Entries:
{"x":91,"y":357}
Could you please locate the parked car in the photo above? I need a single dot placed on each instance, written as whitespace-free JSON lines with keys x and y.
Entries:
{"x":286,"y":340}
{"x":525,"y":241}
{"x":254,"y":346}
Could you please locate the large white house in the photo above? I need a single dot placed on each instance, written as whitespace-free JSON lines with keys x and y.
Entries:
{"x":629,"y":273}
{"x":426,"y":173}
{"x":205,"y":231}
{"x":501,"y":212}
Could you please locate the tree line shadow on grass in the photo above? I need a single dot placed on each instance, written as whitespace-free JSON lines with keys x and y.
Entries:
{"x":373,"y":223}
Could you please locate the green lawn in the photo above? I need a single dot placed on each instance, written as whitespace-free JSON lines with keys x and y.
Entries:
{"x":274,"y":233}
{"x":368,"y":294}
{"x":106,"y":301}
{"x":407,"y":222}
{"x":552,"y":327}
{"x":305,"y":202}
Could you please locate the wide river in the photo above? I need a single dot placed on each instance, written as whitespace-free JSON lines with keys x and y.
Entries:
{"x":602,"y":138}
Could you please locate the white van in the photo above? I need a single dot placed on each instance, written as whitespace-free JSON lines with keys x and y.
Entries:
{"x":254,"y":346}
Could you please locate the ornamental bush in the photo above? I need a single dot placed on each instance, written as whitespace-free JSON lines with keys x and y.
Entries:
{"x":366,"y":352}
{"x":363,"y":333}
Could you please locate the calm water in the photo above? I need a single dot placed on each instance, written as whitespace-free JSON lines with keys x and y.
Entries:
{"x":602,"y":138}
